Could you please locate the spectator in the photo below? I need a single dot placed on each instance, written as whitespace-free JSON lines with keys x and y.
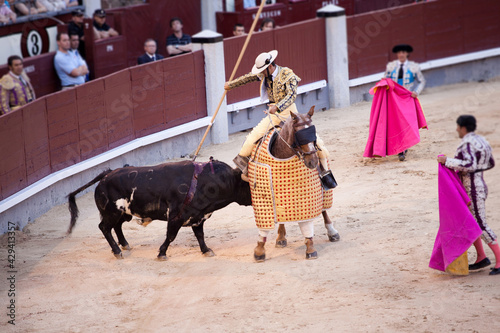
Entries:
{"x":249,"y":3}
{"x":75,"y":27}
{"x":15,"y":87}
{"x":6,"y":14}
{"x":178,"y":42}
{"x":101,"y":28}
{"x":70,"y":66}
{"x":74,"y":43}
{"x":267,"y":24}
{"x":71,"y":3}
{"x":150,"y":55}
{"x":31,"y":7}
{"x":53,"y":5}
{"x":238,"y":29}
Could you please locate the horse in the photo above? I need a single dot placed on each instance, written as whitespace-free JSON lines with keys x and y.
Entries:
{"x":296,"y":137}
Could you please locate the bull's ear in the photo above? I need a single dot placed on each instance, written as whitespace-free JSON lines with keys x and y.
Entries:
{"x":294,"y":116}
{"x":311,"y":111}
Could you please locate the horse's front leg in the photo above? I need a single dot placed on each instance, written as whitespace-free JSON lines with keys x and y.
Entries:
{"x":259,"y":253}
{"x":307,"y":229}
{"x":333,"y":234}
{"x":281,"y":240}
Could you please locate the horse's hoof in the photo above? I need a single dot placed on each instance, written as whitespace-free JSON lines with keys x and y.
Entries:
{"x":126,"y":247}
{"x":313,"y":255}
{"x":209,"y":253}
{"x":281,"y":243}
{"x":118,"y":255}
{"x":334,"y":238}
{"x":260,"y":258}
{"x":162,"y":258}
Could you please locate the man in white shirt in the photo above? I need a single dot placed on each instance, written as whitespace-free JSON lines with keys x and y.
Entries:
{"x":70,"y":67}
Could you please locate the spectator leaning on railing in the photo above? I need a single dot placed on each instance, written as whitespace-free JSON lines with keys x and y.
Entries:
{"x":70,"y":67}
{"x":71,"y":3}
{"x":53,"y":5}
{"x":29,"y":7}
{"x":101,"y":28}
{"x":15,"y":87}
{"x":6,"y":13}
{"x":178,"y":42}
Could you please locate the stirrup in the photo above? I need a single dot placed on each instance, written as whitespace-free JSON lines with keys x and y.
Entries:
{"x":327,"y":180}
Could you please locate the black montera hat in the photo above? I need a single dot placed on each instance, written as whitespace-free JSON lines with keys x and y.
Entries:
{"x":100,"y":13}
{"x":402,"y":47}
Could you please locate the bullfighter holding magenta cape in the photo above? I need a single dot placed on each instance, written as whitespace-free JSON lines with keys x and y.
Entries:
{"x":458,"y":228}
{"x":395,"y":119}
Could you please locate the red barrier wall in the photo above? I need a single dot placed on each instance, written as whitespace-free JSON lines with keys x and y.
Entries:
{"x":306,"y":55}
{"x":64,"y":128}
{"x":435,"y":29}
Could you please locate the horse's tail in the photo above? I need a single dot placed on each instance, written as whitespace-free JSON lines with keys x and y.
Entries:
{"x":73,"y":208}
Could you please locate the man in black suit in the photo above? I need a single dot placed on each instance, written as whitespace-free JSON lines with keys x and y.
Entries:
{"x":150,"y":55}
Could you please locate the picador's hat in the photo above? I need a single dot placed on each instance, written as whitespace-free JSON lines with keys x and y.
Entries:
{"x":402,"y":47}
{"x":263,"y":61}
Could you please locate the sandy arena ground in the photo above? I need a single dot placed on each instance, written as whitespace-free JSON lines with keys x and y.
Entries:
{"x":375,"y":279}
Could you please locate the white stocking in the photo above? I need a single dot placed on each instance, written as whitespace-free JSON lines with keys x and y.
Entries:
{"x":307,"y":229}
{"x":263,"y":234}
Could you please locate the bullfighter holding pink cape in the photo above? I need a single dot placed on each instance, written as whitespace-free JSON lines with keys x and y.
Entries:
{"x":457,"y":227}
{"x":395,"y":120}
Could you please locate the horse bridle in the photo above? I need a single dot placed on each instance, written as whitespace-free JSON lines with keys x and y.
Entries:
{"x":303,"y":137}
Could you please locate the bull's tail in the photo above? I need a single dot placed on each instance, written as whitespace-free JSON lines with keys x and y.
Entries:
{"x":73,"y":209}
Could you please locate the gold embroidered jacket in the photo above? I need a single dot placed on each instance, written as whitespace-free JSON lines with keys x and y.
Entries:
{"x":14,"y":93}
{"x":282,"y":90}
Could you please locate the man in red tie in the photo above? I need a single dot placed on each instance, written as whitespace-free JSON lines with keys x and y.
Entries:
{"x":15,"y":87}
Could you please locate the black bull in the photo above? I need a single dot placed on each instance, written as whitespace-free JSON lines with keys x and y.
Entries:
{"x":182,"y":193}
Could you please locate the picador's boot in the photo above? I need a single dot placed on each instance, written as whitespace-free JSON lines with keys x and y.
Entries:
{"x":242,"y":164}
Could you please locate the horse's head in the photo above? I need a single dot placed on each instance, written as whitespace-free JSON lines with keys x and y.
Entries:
{"x":305,"y":138}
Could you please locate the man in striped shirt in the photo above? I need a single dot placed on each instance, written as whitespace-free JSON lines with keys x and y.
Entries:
{"x":473,"y":156}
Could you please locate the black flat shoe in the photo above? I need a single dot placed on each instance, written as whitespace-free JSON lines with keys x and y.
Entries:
{"x":495,"y":271}
{"x":478,"y":265}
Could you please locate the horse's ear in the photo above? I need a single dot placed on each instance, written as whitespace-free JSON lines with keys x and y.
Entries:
{"x":311,"y":111}
{"x":294,"y":116}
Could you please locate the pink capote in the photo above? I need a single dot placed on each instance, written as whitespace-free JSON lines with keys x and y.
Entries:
{"x":395,"y":119}
{"x":457,"y":227}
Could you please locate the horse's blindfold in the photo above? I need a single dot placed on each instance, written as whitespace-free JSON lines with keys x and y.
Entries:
{"x":305,"y":136}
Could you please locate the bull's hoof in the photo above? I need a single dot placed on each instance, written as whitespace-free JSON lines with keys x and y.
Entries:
{"x":313,"y":255}
{"x":260,"y":258}
{"x":209,"y":253}
{"x":126,"y":247}
{"x":162,"y":258}
{"x":281,"y":243}
{"x":334,"y":238}
{"x":118,"y":255}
